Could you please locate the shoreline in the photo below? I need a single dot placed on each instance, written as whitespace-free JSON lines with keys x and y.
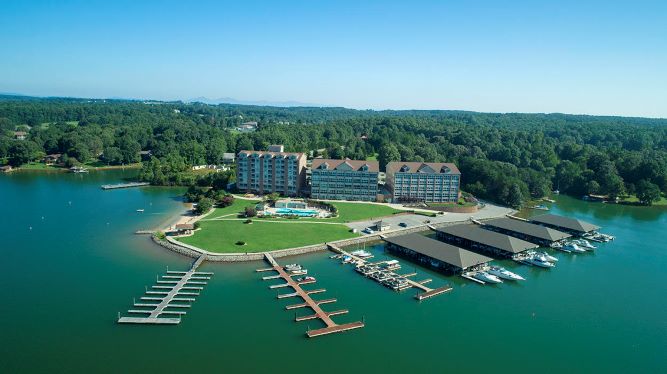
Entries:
{"x":185,"y":216}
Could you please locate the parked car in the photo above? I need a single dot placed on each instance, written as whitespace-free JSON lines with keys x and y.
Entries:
{"x":368,"y":230}
{"x":403,"y":224}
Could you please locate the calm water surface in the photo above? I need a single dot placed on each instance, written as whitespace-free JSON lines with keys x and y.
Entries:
{"x":70,"y":263}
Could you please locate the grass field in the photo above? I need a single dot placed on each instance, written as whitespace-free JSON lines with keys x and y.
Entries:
{"x":221,"y":229}
{"x":39,"y":166}
{"x":261,"y":236}
{"x":634,"y":200}
{"x":350,"y":212}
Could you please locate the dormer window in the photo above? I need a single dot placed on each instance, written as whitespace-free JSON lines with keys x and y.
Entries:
{"x":405,"y":169}
{"x":364,"y":167}
{"x":445,"y":170}
{"x":324,"y":166}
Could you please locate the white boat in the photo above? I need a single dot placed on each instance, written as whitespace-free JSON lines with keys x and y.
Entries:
{"x":548,"y":257}
{"x":292,"y":267}
{"x":572,"y":247}
{"x":583,"y":243}
{"x":361,"y":253}
{"x":504,"y":273}
{"x":540,"y":207}
{"x":140,"y":210}
{"x":486,"y":277}
{"x":347,"y":260}
{"x":299,"y":272}
{"x":540,"y":261}
{"x":305,"y":279}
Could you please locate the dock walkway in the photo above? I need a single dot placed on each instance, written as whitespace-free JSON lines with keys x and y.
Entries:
{"x":124,"y":185}
{"x":172,"y":292}
{"x":332,"y":327}
{"x":428,"y":292}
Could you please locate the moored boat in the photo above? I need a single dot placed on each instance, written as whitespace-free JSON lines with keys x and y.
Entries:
{"x":504,"y":273}
{"x":486,"y":277}
{"x":572,"y":247}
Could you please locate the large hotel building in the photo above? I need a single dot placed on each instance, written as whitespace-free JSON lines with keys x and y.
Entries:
{"x":270,"y":171}
{"x":344,"y":180}
{"x":428,"y":182}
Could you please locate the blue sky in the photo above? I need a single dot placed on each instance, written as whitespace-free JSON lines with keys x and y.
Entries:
{"x":593,"y":57}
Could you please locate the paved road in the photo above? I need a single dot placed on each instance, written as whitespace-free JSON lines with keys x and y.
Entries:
{"x":489,"y":211}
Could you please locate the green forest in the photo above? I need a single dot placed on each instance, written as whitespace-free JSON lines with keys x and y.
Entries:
{"x":506,"y":158}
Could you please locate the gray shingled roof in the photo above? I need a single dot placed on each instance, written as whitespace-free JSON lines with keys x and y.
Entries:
{"x":492,"y":239}
{"x":438,"y":250}
{"x":565,"y":222}
{"x":527,"y":228}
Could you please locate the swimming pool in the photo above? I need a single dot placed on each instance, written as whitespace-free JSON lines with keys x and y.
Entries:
{"x":297,"y":212}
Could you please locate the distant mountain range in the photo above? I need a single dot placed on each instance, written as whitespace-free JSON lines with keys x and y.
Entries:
{"x":229,"y":100}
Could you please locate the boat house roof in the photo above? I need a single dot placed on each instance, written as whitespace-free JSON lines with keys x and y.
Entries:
{"x":438,"y":250}
{"x":527,"y":228}
{"x":565,"y":222}
{"x":185,"y":226}
{"x":475,"y":233}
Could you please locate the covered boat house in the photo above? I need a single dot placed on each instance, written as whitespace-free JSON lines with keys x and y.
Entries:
{"x":474,"y":237}
{"x":434,"y":253}
{"x":570,"y":225}
{"x":525,"y":230}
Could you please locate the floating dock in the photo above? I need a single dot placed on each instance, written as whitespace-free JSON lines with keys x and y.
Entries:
{"x":124,"y":185}
{"x":332,"y":327}
{"x":427,"y":291}
{"x":158,"y":302}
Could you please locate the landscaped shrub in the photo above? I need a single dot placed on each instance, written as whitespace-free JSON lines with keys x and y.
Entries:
{"x":240,"y":242}
{"x":250,"y":211}
{"x":248,"y":221}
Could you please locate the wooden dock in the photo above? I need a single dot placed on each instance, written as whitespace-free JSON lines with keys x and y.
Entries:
{"x":124,"y":185}
{"x":319,"y":313}
{"x":427,"y":291}
{"x":160,"y":301}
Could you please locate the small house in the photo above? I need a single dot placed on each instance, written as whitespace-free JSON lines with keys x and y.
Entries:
{"x":20,"y":135}
{"x":228,"y":158}
{"x":52,"y":159}
{"x":184,"y":228}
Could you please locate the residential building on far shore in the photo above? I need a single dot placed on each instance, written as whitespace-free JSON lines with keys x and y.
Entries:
{"x":344,"y":180}
{"x":265,"y":172}
{"x":429,"y":182}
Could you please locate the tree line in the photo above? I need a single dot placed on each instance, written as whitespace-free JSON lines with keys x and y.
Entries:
{"x":506,"y":158}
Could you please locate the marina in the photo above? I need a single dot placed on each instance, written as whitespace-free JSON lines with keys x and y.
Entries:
{"x":178,"y":280}
{"x":287,"y":273}
{"x":474,"y":237}
{"x":390,"y":279}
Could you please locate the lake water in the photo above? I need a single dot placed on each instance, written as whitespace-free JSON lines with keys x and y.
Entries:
{"x":70,"y":263}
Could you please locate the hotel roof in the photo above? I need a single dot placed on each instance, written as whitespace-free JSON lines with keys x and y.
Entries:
{"x":493,"y":239}
{"x":422,"y":167}
{"x":268,"y":153}
{"x":527,"y":228}
{"x":438,"y":250}
{"x":565,"y":222}
{"x":347,"y":164}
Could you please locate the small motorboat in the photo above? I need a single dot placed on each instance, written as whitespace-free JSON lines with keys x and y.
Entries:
{"x":361,"y":253}
{"x":140,"y":210}
{"x":486,"y":277}
{"x":347,"y":260}
{"x":292,"y":267}
{"x":504,"y":273}
{"x":306,"y":279}
{"x":299,"y":272}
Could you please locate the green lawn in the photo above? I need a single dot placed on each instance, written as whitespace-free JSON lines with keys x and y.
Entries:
{"x":349,"y":212}
{"x":36,"y":165}
{"x":237,"y":207}
{"x":261,"y":236}
{"x":633,"y":200}
{"x":373,"y":157}
{"x":264,"y":235}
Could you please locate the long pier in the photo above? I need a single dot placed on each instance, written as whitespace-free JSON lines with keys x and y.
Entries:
{"x":319,"y":313}
{"x":124,"y":185}
{"x":173,"y":285}
{"x":427,"y":291}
